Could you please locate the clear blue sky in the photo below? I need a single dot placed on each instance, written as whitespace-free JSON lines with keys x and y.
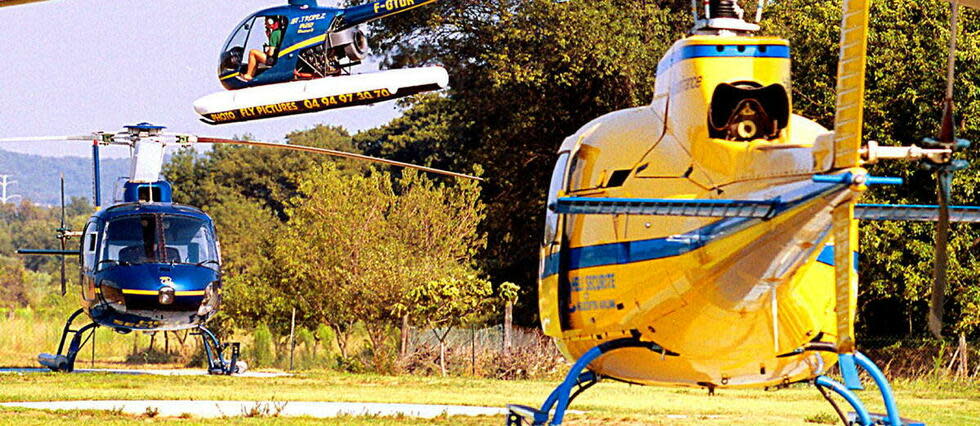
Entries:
{"x":74,"y":66}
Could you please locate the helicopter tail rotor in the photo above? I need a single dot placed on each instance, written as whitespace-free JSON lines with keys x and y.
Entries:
{"x":944,"y":176}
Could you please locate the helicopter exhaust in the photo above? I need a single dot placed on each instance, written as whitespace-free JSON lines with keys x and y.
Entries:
{"x":299,"y":97}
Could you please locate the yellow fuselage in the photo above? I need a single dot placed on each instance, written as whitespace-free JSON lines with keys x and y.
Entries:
{"x":722,"y":298}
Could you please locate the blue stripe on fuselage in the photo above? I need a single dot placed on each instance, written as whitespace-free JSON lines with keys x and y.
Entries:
{"x":724,"y":51}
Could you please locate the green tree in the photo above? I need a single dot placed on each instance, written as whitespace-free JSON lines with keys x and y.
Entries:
{"x":245,"y":190}
{"x":355,"y":245}
{"x":448,"y":303}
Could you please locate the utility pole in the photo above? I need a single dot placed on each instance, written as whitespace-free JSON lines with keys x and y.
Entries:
{"x":4,"y":181}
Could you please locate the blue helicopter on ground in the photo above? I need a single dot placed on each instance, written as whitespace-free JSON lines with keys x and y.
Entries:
{"x":275,"y":62}
{"x":147,"y":263}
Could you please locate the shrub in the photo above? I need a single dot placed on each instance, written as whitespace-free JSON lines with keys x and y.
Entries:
{"x":262,"y":354}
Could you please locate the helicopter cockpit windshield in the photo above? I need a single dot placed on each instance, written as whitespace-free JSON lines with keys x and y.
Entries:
{"x":158,"y":238}
{"x":257,"y":33}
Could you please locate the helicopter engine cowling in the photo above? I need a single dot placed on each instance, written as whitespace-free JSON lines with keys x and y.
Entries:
{"x":353,"y":42}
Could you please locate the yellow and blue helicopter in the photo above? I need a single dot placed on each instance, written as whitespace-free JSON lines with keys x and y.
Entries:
{"x":281,"y":70}
{"x":709,"y":239}
{"x":148,"y":264}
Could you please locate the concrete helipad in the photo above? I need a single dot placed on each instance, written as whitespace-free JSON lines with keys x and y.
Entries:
{"x":211,"y":409}
{"x":162,"y":372}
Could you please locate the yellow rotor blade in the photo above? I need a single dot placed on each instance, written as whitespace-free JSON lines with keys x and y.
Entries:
{"x":845,"y":233}
{"x":336,"y":153}
{"x":968,"y":3}
{"x":849,"y":117}
{"x":16,"y":2}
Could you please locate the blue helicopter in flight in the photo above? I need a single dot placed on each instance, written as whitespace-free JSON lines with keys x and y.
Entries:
{"x":149,"y":264}
{"x":277,"y":62}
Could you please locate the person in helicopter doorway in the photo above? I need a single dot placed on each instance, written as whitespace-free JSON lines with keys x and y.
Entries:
{"x":267,"y":56}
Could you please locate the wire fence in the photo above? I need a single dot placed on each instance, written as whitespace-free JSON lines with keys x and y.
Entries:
{"x":915,"y":357}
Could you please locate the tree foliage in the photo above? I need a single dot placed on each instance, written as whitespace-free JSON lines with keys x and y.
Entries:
{"x":355,"y":246}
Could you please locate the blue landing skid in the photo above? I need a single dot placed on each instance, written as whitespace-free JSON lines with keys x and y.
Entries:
{"x":562,"y":396}
{"x":861,"y":416}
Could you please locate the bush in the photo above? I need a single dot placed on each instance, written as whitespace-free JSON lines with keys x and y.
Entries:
{"x":533,"y":355}
{"x":262,"y":355}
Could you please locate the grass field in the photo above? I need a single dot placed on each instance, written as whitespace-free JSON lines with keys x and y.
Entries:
{"x":937,"y":402}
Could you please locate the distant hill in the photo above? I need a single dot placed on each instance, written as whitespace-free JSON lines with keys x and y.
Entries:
{"x":37,"y":177}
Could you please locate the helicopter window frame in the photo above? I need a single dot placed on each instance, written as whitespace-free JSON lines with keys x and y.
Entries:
{"x":164,"y":250}
{"x":556,"y":184}
{"x":255,"y":40}
{"x":90,"y":243}
{"x":208,"y":248}
{"x":234,"y":41}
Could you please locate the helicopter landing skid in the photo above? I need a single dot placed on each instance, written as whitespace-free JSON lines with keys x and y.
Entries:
{"x":860,"y":415}
{"x":576,"y":382}
{"x":65,"y":362}
{"x":215,"y":350}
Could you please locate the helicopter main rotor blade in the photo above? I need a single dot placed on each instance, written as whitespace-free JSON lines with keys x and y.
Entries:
{"x":968,"y":3}
{"x":335,"y":153}
{"x":49,"y":138}
{"x":5,"y":3}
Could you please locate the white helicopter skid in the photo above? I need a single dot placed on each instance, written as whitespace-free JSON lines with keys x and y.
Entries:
{"x":298,"y":97}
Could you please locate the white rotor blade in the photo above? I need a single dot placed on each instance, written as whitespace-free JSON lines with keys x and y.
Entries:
{"x":336,"y":153}
{"x":49,"y":138}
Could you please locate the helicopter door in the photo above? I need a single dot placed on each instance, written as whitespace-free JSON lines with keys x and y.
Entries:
{"x":262,"y":34}
{"x":90,"y":240}
{"x":232,"y":54}
{"x":554,"y":259}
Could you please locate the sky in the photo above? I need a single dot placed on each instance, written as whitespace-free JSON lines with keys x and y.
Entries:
{"x":70,"y":67}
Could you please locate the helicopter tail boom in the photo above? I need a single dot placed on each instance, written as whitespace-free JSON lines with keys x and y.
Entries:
{"x":357,"y":15}
{"x":300,"y":97}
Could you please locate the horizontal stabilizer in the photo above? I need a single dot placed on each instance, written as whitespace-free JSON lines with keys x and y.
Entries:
{"x":915,"y":213}
{"x":299,"y":97}
{"x":667,"y":207}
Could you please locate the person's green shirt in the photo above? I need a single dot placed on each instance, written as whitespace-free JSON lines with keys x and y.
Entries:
{"x":274,"y":38}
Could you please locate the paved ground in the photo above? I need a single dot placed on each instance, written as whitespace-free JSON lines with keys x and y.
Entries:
{"x":175,"y":372}
{"x":209,"y":409}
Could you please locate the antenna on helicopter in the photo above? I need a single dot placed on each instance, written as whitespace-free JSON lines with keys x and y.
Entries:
{"x":722,"y":16}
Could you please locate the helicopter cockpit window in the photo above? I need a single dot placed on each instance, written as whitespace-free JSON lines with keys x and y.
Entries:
{"x":191,"y":238}
{"x":231,"y":55}
{"x":155,"y":238}
{"x":551,"y":217}
{"x":257,"y":38}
